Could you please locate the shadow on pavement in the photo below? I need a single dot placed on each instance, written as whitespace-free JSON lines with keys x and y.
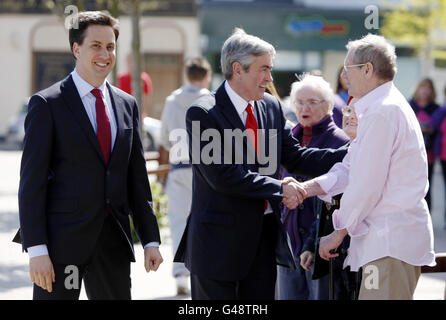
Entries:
{"x":5,"y":146}
{"x":9,"y":221}
{"x":13,"y":277}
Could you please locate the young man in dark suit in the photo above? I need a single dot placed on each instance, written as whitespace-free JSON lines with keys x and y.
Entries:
{"x":82,"y":172}
{"x":234,"y":237}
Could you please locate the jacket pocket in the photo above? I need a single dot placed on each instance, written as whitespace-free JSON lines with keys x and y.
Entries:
{"x":62,"y":205}
{"x":218,"y":219}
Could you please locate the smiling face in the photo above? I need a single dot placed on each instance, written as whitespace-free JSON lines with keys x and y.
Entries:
{"x":251,"y":84}
{"x":96,"y":56}
{"x":310,"y":106}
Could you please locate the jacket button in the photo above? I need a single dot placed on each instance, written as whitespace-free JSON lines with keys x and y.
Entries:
{"x":301,"y":206}
{"x":107,"y":201}
{"x":108,"y":172}
{"x":301,"y":231}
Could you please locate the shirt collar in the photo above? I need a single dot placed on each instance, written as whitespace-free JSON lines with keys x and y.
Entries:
{"x":369,"y":99}
{"x":83,"y":87}
{"x":239,"y":103}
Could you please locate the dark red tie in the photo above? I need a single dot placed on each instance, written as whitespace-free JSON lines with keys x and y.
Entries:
{"x":251,"y":123}
{"x":103,"y":125}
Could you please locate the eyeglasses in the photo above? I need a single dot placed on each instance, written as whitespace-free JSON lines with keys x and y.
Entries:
{"x":353,"y":65}
{"x":309,"y":103}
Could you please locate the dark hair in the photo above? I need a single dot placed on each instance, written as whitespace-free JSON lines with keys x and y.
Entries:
{"x":87,"y":18}
{"x":339,"y":86}
{"x":430,"y":84}
{"x":197,"y":69}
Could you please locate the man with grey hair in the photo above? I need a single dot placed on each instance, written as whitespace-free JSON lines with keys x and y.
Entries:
{"x":234,"y":237}
{"x":383,"y":178}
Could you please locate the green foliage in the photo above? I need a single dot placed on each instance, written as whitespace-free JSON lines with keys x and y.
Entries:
{"x":159,"y":202}
{"x":419,"y":24}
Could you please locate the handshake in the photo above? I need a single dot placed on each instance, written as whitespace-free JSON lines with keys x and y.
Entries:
{"x":294,"y":193}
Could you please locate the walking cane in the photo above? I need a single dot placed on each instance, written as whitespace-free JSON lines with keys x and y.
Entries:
{"x":330,"y":278}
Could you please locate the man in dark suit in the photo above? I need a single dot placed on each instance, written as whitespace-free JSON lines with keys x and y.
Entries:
{"x":82,"y":172}
{"x":234,"y":236}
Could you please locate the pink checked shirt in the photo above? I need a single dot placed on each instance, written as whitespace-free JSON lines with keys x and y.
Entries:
{"x":384,"y":180}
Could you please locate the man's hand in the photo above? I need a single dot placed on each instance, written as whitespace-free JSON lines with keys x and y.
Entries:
{"x":152,"y":258}
{"x":306,"y":260}
{"x":41,"y":272}
{"x":293,"y":193}
{"x":331,"y":242}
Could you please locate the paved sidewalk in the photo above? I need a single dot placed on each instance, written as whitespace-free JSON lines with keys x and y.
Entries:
{"x":160,"y":285}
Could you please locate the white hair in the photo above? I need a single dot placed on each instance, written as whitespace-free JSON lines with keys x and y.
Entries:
{"x":376,"y":50}
{"x":316,"y":83}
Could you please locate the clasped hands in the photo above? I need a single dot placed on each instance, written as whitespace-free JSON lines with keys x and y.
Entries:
{"x":294,"y":193}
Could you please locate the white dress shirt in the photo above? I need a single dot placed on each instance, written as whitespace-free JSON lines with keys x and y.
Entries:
{"x":383,"y":179}
{"x":89,"y":102}
{"x":240,"y":105}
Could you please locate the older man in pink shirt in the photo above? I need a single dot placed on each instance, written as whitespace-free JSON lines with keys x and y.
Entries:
{"x":383,"y":178}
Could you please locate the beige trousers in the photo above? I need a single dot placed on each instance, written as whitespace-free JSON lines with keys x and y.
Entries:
{"x":388,"y":279}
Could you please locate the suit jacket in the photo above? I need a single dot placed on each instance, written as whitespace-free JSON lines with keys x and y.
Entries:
{"x":65,"y":185}
{"x":225,"y":222}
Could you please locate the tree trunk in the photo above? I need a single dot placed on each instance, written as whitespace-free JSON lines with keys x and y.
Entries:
{"x":136,"y":45}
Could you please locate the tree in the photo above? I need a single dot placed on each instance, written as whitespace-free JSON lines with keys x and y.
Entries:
{"x":419,"y":24}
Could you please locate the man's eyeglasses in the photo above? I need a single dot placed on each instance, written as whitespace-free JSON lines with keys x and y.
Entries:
{"x":309,"y":103}
{"x":353,"y":65}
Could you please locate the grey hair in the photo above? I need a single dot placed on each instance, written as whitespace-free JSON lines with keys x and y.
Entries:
{"x":242,"y":48}
{"x":316,"y":83}
{"x":376,"y":50}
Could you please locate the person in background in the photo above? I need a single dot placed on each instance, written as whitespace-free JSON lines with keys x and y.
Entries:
{"x":179,"y":180}
{"x":125,"y":83}
{"x":340,"y":98}
{"x":342,"y":86}
{"x":345,"y":282}
{"x":424,"y":106}
{"x":438,"y":122}
{"x":312,"y":98}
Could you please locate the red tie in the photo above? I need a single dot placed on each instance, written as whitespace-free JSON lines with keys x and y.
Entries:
{"x":103,"y":124}
{"x":251,"y":123}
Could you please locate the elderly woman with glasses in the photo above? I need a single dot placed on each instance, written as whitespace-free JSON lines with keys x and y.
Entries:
{"x":313,"y":100}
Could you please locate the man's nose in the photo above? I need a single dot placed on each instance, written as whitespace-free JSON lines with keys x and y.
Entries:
{"x":104,"y":53}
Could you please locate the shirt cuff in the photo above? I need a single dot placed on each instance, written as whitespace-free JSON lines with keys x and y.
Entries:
{"x":326,"y":182}
{"x":36,"y":251}
{"x":152,"y":244}
{"x":359,"y":230}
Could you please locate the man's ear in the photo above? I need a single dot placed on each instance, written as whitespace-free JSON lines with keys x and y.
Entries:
{"x":76,"y":49}
{"x":236,"y":69}
{"x":368,"y":69}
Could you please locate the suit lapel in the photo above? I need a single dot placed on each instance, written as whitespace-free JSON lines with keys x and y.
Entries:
{"x":227,"y":109}
{"x":74,"y":103}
